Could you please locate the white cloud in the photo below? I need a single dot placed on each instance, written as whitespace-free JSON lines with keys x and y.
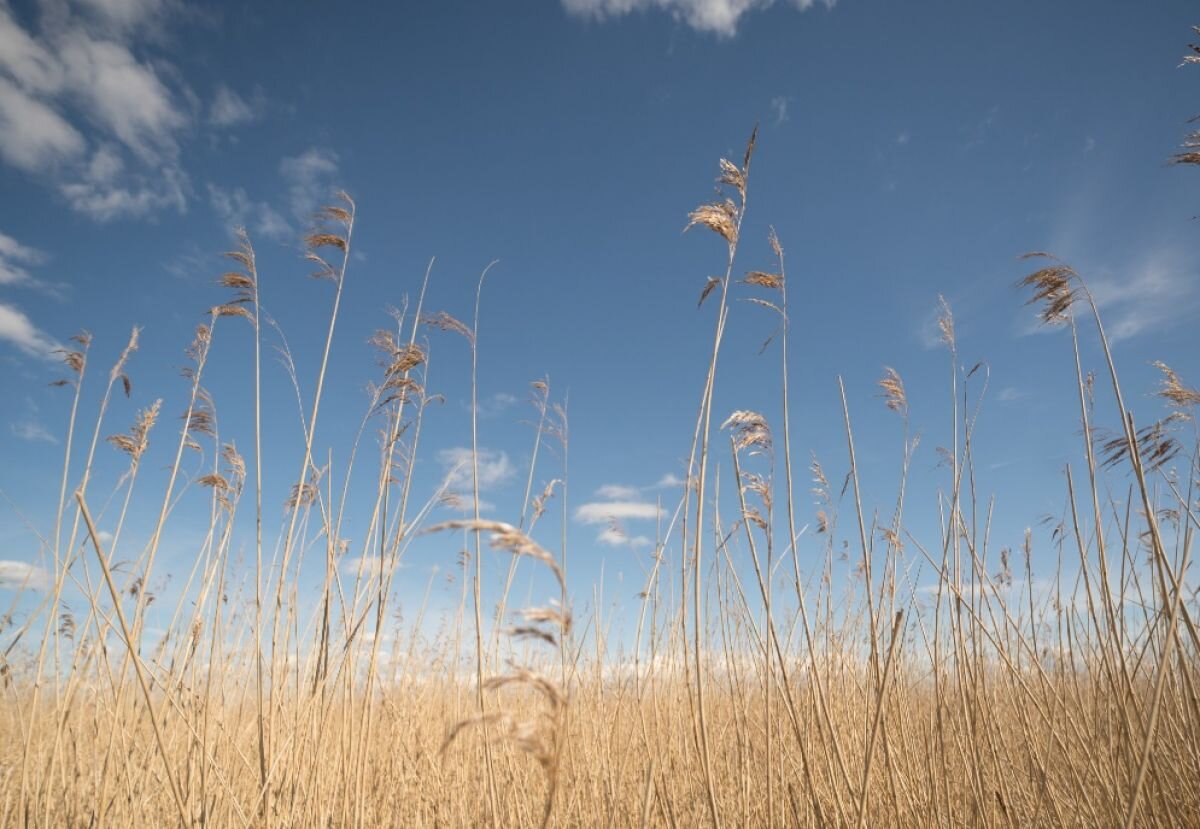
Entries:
{"x":603,"y":512}
{"x":13,"y":256}
{"x":16,"y":575}
{"x":103,"y":189}
{"x":106,"y":164}
{"x":1156,"y":295}
{"x":139,"y":196}
{"x":229,"y":108}
{"x":11,"y":274}
{"x":271,"y":224}
{"x":235,"y":209}
{"x":124,"y":95}
{"x":77,"y":74}
{"x":309,"y":177}
{"x":779,"y":106}
{"x":614,"y":536}
{"x":903,"y":137}
{"x":717,"y":16}
{"x":496,"y":405}
{"x":670,"y":480}
{"x":371,"y":566}
{"x":17,"y":329}
{"x":618,"y":492}
{"x":1089,"y":144}
{"x":32,"y":431}
{"x":494,"y":468}
{"x":231,"y":206}
{"x":33,"y":136}
{"x":1011,"y":394}
{"x":458,"y":502}
{"x":29,"y":61}
{"x":127,"y":14}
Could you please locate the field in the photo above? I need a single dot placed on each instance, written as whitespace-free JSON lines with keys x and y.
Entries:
{"x":865,"y":702}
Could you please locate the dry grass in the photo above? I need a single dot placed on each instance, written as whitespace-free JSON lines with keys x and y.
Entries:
{"x":982,"y":700}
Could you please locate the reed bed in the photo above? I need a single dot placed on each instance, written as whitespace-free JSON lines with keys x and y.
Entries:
{"x":970,"y":699}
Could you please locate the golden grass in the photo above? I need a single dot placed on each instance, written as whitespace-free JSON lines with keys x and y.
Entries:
{"x":978,"y":699}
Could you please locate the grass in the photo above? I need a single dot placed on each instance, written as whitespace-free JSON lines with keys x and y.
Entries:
{"x":872,"y":702}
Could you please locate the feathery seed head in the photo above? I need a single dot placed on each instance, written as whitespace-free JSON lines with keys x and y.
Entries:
{"x":1051,"y":287}
{"x":893,"y":391}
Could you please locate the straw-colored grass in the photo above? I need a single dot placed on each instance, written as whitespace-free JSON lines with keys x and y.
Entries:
{"x":869,"y":702}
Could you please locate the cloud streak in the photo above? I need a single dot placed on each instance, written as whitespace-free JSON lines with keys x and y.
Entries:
{"x":1158,"y":294}
{"x":19,"y":330}
{"x":309,"y":177}
{"x":494,"y":467}
{"x":229,"y":109}
{"x":604,"y":512}
{"x":32,"y":431}
{"x":720,"y":17}
{"x":236,"y":210}
{"x":618,"y":492}
{"x":372,"y":567}
{"x":14,"y":257}
{"x":615,"y":536}
{"x":17,"y":575}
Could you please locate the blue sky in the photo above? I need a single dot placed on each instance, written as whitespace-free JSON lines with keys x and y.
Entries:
{"x":906,"y":150}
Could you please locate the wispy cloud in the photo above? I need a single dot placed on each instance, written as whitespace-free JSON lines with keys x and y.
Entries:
{"x":604,"y":512}
{"x":84,"y":64}
{"x":14,"y":257}
{"x":310,"y":179}
{"x":237,"y":210}
{"x":494,"y":467}
{"x":615,"y":536}
{"x":18,"y":329}
{"x":32,"y":431}
{"x":618,"y":504}
{"x":1159,"y":292}
{"x":128,"y":15}
{"x":371,"y":566}
{"x":228,"y":108}
{"x":458,"y":502}
{"x":33,"y":136}
{"x":30,"y":427}
{"x":719,"y":17}
{"x":495,"y":405}
{"x":618,"y":492}
{"x":622,"y":504}
{"x":1011,"y":394}
{"x":17,"y":575}
{"x":779,"y":107}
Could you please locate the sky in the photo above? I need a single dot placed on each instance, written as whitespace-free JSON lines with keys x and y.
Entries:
{"x":905,"y":151}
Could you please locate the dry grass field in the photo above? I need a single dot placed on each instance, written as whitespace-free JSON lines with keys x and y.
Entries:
{"x":868,"y":702}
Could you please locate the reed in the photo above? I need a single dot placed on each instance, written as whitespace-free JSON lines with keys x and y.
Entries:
{"x":885,"y":698}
